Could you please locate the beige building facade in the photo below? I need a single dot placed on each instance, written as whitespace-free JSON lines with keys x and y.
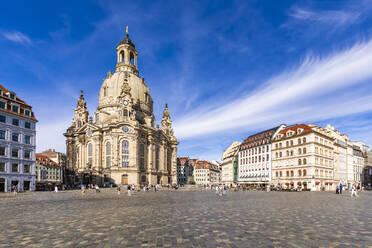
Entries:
{"x":122,"y":145}
{"x":303,"y":157}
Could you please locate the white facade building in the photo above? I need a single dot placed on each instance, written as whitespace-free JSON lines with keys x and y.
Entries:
{"x":254,"y":164}
{"x":17,"y":143}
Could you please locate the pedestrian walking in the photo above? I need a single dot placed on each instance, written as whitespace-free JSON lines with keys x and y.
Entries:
{"x":97,"y":189}
{"x":129,"y":188}
{"x":217,"y":190}
{"x":15,"y":189}
{"x":55,"y":189}
{"x":118,"y":189}
{"x":341,"y":189}
{"x":224,"y":190}
{"x":353,"y":191}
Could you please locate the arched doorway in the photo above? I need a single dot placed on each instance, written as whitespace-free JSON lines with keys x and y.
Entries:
{"x":124,"y":179}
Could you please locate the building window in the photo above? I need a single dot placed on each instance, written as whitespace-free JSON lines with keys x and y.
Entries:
{"x":27,"y":154}
{"x":304,"y":150}
{"x":15,"y":137}
{"x":12,"y":96}
{"x":28,"y":125}
{"x":14,"y":167}
{"x":299,"y":141}
{"x":142,"y":156}
{"x":2,"y":134}
{"x":2,"y":151}
{"x":2,"y":166}
{"x":304,"y":139}
{"x":304,"y":173}
{"x":281,"y":174}
{"x":276,"y":174}
{"x":292,"y":173}
{"x":299,"y":173}
{"x":280,"y":154}
{"x":299,"y":162}
{"x":299,"y":150}
{"x":108,"y":155}
{"x":2,"y":119}
{"x":287,"y":173}
{"x":27,"y":139}
{"x":2,"y":105}
{"x":15,"y":122}
{"x":304,"y":161}
{"x":27,"y":112}
{"x":125,"y":153}
{"x":15,"y":109}
{"x":26,"y":168}
{"x":15,"y":153}
{"x":90,"y":155}
{"x":157,"y":158}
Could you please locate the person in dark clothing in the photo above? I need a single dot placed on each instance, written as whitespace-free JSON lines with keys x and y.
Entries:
{"x":341,"y":189}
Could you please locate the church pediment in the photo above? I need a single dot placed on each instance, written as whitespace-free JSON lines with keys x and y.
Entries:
{"x":86,"y":127}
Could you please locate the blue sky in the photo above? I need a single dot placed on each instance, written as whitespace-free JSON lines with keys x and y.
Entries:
{"x":226,"y":69}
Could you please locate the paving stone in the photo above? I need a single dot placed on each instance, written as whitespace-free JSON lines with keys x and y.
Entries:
{"x":196,"y":218}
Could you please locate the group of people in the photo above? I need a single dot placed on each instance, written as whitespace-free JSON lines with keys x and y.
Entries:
{"x":353,"y":190}
{"x":220,"y":190}
{"x":90,"y":187}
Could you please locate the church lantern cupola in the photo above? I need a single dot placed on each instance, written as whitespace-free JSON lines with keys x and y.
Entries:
{"x":127,"y":55}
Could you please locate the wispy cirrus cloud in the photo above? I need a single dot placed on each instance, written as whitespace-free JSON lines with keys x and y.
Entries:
{"x":312,"y":91}
{"x":331,"y":17}
{"x":17,"y":37}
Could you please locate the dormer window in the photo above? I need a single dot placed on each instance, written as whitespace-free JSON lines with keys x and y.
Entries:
{"x":15,"y":108}
{"x":12,"y":96}
{"x":299,"y":130}
{"x":27,"y":112}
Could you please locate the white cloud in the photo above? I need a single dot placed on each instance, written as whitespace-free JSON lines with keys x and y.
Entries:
{"x":332,"y":17}
{"x":17,"y":37}
{"x":295,"y":95}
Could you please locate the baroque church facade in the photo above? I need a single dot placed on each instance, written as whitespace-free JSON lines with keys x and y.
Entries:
{"x":122,"y":145}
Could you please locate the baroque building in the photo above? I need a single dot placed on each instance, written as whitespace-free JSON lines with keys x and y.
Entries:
{"x":122,"y":145}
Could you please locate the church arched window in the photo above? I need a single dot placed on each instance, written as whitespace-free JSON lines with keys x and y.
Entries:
{"x":122,"y":57}
{"x":169,"y":158}
{"x":105,"y":91}
{"x":132,"y":58}
{"x":125,"y":153}
{"x":90,"y":155}
{"x":108,"y":155}
{"x":157,"y":158}
{"x":142,"y":156}
{"x":78,"y":157}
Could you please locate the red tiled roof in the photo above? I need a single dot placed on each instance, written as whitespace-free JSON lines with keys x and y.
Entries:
{"x":294,"y":128}
{"x":45,"y":160}
{"x":23,"y":105}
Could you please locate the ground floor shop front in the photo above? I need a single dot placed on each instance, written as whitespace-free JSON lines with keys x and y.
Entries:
{"x":9,"y":183}
{"x":312,"y":185}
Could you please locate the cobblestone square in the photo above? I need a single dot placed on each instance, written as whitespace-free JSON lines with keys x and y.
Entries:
{"x":194,"y":218}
